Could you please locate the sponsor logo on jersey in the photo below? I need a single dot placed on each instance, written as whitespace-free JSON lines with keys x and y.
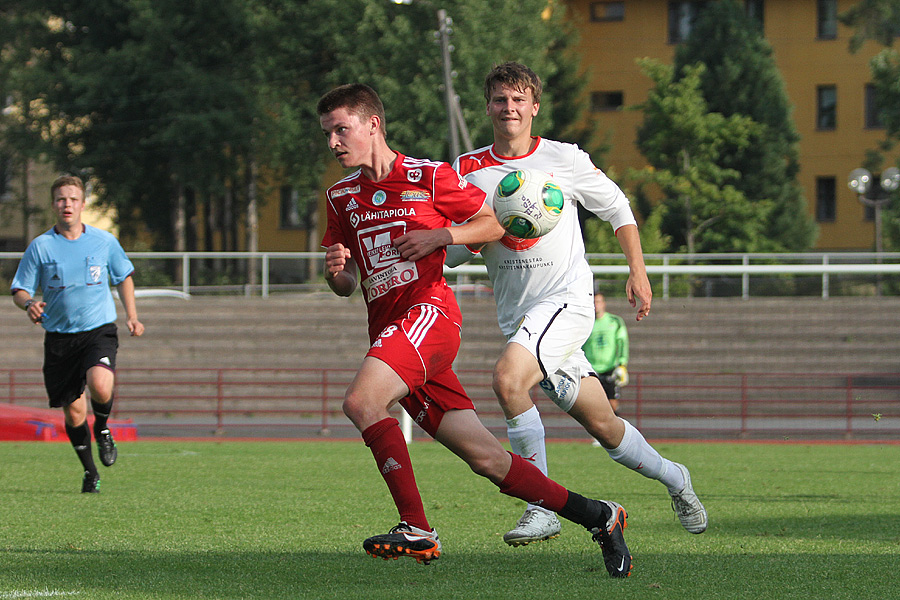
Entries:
{"x":517,"y":244}
{"x":415,"y":195}
{"x":394,"y":276}
{"x":344,"y":192}
{"x":354,"y":220}
{"x":352,"y":205}
{"x":414,"y":175}
{"x":378,"y":249}
{"x":391,"y":213}
{"x":379,"y":197}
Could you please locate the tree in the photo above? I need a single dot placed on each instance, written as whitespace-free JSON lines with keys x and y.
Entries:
{"x":741,"y":79}
{"x":703,"y":210}
{"x":877,"y":20}
{"x":171,"y":106}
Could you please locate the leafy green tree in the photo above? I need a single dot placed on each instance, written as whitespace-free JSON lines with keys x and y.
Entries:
{"x":877,"y":20}
{"x":682,"y":140}
{"x":173,"y":108}
{"x":741,"y":78}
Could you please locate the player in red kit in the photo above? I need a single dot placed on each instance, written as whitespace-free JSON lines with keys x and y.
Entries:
{"x":388,"y":229}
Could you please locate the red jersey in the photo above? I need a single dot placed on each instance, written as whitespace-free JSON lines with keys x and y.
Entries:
{"x":366,"y":217}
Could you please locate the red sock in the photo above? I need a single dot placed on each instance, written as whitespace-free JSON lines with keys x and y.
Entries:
{"x":388,"y":446}
{"x":526,"y":482}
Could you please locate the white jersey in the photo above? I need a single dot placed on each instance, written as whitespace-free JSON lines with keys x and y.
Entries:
{"x":525,"y":272}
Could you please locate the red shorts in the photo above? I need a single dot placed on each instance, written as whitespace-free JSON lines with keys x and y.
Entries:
{"x":421,"y":348}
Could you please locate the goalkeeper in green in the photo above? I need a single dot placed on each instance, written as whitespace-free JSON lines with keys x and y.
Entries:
{"x":607,"y":351}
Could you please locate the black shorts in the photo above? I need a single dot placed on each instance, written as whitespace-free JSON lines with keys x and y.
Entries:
{"x":68,"y":356}
{"x":610,"y":385}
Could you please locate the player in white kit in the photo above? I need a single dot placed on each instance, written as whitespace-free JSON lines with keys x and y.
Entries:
{"x":544,"y":294}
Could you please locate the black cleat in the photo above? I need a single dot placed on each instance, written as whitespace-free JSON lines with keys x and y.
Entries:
{"x":90,"y":484}
{"x":405,"y":540}
{"x":616,"y":556}
{"x":107,"y":448}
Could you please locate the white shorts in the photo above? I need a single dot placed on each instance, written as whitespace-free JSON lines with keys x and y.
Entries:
{"x":554,"y":332}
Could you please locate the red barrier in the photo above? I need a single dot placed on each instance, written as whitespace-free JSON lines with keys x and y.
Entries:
{"x":260,"y":402}
{"x":20,"y":423}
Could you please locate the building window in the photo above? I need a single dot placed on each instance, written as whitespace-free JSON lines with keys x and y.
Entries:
{"x":873,"y":111}
{"x":826,"y":107}
{"x":826,"y":19}
{"x":826,"y":193}
{"x":607,"y":11}
{"x":290,"y":208}
{"x":681,"y":19}
{"x":606,"y":101}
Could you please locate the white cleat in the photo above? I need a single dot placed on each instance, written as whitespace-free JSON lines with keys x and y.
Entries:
{"x":687,"y":506}
{"x":536,"y":525}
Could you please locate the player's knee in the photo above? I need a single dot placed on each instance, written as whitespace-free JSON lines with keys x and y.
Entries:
{"x":491,"y":467}
{"x":353,"y":407}
{"x":506,"y":385}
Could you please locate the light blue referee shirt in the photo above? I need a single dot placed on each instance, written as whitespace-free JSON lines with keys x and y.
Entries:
{"x":74,"y":277}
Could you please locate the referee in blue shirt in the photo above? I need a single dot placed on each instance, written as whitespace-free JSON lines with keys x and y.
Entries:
{"x":73,"y":265}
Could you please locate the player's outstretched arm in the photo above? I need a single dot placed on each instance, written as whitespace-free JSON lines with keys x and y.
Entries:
{"x":637,"y":288}
{"x":340,"y":270}
{"x":126,"y":294}
{"x":460,"y":254}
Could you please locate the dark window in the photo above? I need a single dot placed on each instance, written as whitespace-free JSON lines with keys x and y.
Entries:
{"x":826,"y":107}
{"x":605,"y":101}
{"x":607,"y":11}
{"x":826,"y":19}
{"x":873,"y":111}
{"x":681,"y":19}
{"x":826,"y":193}
{"x":290,"y":208}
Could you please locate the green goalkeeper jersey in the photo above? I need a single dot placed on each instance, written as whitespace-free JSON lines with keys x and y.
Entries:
{"x":607,"y":346}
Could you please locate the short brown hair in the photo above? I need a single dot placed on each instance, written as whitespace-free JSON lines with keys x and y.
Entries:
{"x":515,"y":75}
{"x":67,"y":180}
{"x":357,"y":98}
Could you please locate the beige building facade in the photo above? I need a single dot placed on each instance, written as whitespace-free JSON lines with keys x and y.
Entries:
{"x":828,"y":86}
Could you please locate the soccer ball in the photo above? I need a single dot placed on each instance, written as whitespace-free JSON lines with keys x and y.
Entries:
{"x":528,"y":203}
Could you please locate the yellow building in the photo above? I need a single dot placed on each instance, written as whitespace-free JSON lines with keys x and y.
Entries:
{"x":827,"y":85}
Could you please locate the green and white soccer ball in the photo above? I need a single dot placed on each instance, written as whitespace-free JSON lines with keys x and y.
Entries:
{"x":528,"y":203}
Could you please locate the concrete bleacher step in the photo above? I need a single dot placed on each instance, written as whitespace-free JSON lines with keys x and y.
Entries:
{"x":316,"y":330}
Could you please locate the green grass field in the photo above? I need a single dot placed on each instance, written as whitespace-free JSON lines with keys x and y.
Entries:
{"x":274,"y":520}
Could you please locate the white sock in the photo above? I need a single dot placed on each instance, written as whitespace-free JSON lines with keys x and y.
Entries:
{"x":526,"y":438}
{"x":635,"y":453}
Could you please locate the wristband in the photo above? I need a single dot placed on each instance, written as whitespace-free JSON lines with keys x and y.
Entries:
{"x":28,"y":303}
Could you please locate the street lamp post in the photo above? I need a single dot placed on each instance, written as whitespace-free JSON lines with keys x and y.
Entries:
{"x":875,"y":191}
{"x":863,"y":183}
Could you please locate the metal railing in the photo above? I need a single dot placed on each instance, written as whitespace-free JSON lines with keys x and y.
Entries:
{"x":269,"y":402}
{"x":262,"y":273}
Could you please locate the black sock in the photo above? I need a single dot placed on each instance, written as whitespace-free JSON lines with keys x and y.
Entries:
{"x":81,"y":440}
{"x":101,"y":415}
{"x":584,"y":511}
